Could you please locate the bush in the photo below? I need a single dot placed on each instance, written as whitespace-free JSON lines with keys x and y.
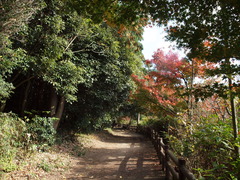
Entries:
{"x":214,"y":145}
{"x":159,"y":124}
{"x":5,"y":91}
{"x":211,"y":150}
{"x":16,"y":135}
{"x":11,"y":134}
{"x":88,"y":124}
{"x":102,"y":122}
{"x":41,"y":132}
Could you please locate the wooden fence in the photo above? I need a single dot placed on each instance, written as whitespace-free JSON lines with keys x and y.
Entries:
{"x":174,"y":167}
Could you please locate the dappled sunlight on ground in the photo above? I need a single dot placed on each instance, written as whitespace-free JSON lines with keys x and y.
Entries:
{"x":120,"y":155}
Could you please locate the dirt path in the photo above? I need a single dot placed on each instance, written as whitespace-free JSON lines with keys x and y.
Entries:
{"x":122,"y":155}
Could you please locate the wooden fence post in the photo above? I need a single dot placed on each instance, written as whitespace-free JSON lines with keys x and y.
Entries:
{"x":162,"y":160}
{"x":158,"y":147}
{"x":152,"y":137}
{"x":182,"y":164}
{"x":152,"y":134}
{"x":167,"y":162}
{"x":166,"y":156}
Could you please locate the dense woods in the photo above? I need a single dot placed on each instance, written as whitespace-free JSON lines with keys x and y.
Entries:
{"x":77,"y":66}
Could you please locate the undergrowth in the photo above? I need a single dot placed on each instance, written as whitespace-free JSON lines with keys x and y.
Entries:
{"x":22,"y":136}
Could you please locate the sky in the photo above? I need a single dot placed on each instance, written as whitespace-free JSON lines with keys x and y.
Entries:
{"x":154,"y":38}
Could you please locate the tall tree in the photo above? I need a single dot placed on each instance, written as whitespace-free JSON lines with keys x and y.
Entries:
{"x":168,"y":86}
{"x":14,"y":17}
{"x":63,"y":53}
{"x":109,"y":60}
{"x":46,"y":43}
{"x":157,"y":88}
{"x":217,"y":22}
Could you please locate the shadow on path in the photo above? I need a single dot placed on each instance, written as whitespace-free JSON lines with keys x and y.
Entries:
{"x":121,"y":155}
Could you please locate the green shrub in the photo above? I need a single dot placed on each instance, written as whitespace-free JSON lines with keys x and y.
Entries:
{"x":5,"y":91}
{"x":159,"y":124}
{"x":41,"y":132}
{"x":212,"y":146}
{"x":89,"y":124}
{"x":11,"y":135}
{"x":102,"y":122}
{"x":46,"y":166}
{"x":36,"y":133}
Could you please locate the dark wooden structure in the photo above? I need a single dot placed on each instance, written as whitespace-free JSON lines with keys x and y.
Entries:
{"x":175,"y":168}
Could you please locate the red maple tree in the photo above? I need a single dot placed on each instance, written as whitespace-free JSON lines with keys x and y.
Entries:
{"x":167,"y":76}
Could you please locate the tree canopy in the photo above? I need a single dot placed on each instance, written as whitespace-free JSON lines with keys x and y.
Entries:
{"x":80,"y":61}
{"x":59,"y":53}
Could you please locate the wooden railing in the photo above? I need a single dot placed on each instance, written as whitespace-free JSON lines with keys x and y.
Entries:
{"x":174,"y":167}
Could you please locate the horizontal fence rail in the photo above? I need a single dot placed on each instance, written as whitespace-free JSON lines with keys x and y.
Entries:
{"x":174,"y":167}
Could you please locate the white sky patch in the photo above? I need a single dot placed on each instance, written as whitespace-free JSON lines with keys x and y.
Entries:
{"x":153,"y":39}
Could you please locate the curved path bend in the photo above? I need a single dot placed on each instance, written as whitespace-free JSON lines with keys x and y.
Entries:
{"x":120,"y":155}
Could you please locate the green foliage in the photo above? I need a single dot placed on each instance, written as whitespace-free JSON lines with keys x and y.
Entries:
{"x":210,"y":149}
{"x":157,"y":123}
{"x":14,"y":17}
{"x":45,"y":166}
{"x":17,"y":135}
{"x":41,"y":132}
{"x":5,"y":90}
{"x":15,"y":14}
{"x":76,"y":58}
{"x":65,"y":76}
{"x":116,"y":13}
{"x":93,"y":123}
{"x":195,"y":23}
{"x":107,"y":63}
{"x":219,"y":151}
{"x":148,"y":120}
{"x":103,"y":122}
{"x":11,"y":134}
{"x":46,"y":44}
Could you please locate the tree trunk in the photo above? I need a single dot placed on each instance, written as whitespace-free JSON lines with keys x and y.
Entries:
{"x":53,"y":102}
{"x":56,"y":107}
{"x":234,"y":117}
{"x":191,"y":93}
{"x":2,"y":106}
{"x":59,"y":111}
{"x":138,"y":119}
{"x":233,"y":110}
{"x":25,"y":97}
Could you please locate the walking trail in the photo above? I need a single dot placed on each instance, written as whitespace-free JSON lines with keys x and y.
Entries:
{"x":120,"y":155}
